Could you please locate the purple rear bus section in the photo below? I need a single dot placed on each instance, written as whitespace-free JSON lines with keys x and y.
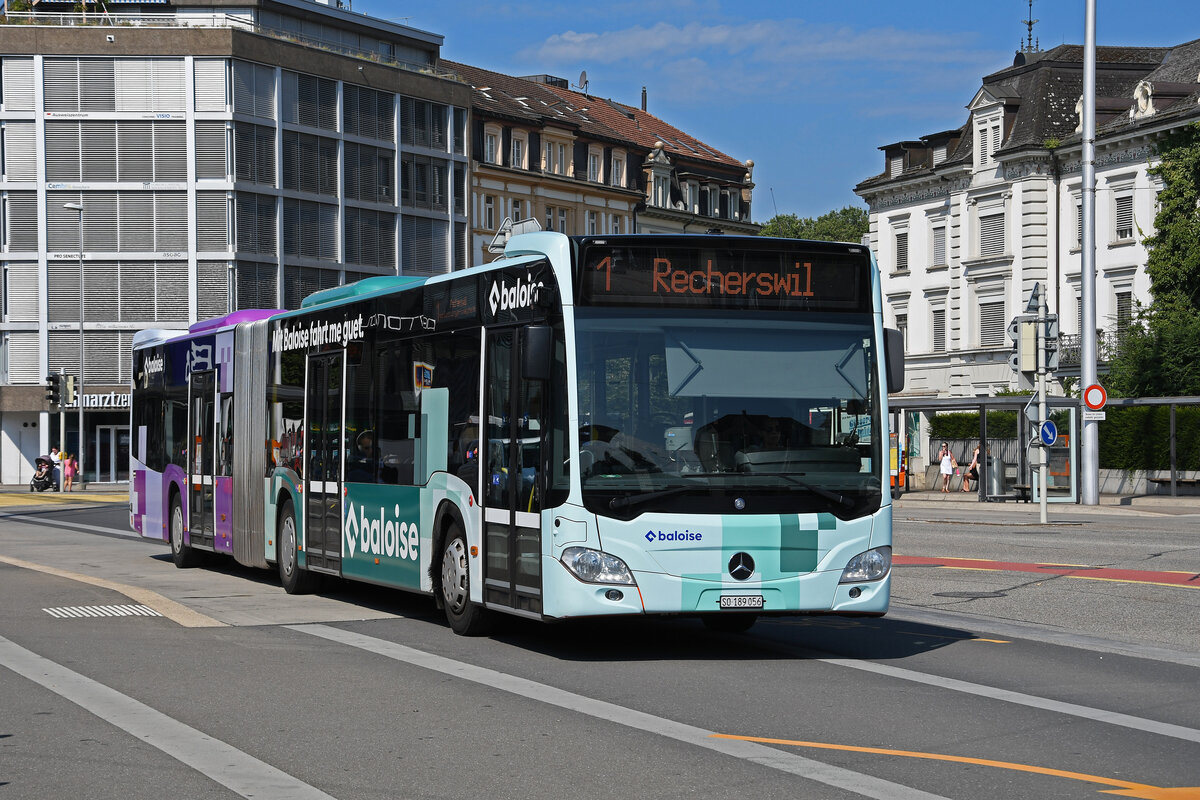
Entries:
{"x":209,"y":343}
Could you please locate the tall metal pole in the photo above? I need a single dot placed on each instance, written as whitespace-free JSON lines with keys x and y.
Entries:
{"x":1044,"y":458}
{"x":1089,"y":450}
{"x":82,"y":446}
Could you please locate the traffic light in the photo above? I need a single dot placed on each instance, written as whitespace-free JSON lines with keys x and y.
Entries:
{"x":1052,"y":333}
{"x":70,"y":392}
{"x":54,"y":389}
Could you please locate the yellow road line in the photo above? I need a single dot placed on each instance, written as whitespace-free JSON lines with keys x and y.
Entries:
{"x":176,"y":612}
{"x":1127,"y":788}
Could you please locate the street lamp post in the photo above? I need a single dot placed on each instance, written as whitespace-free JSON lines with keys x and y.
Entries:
{"x":82,"y":447}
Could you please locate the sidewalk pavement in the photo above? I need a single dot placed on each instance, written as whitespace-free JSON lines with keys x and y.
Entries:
{"x":12,"y":495}
{"x":1108,"y":503}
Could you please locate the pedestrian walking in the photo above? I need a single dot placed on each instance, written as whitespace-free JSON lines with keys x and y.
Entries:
{"x":69,"y":467}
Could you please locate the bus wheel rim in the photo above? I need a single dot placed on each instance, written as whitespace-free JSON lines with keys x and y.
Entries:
{"x":289,"y":546}
{"x":177,"y":528}
{"x":454,"y":575}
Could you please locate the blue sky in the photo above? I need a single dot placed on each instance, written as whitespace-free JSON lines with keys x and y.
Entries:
{"x":807,"y":90}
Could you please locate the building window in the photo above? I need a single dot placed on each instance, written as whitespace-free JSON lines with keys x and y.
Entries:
{"x":991,"y":235}
{"x":902,"y":251}
{"x":693,"y":197}
{"x":660,"y":191}
{"x":518,"y":151}
{"x":516,"y":211}
{"x":939,"y":330}
{"x":895,"y":165}
{"x":489,"y":212}
{"x":561,"y":167}
{"x":562,"y":220}
{"x":616,"y":224}
{"x":490,"y":147}
{"x":902,"y":326}
{"x":938,"y":249}
{"x":1123,"y":216}
{"x":991,"y":324}
{"x":714,"y":201}
{"x":617,"y":175}
{"x":1078,"y":224}
{"x":1124,"y":311}
{"x":549,"y":218}
{"x":548,"y":162}
{"x":591,"y":223}
{"x":594,"y":156}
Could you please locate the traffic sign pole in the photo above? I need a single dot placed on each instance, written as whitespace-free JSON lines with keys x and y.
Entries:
{"x":1044,"y":459}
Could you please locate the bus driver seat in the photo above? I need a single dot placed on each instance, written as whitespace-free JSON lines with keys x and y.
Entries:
{"x":714,"y":451}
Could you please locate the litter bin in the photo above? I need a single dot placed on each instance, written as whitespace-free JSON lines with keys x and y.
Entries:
{"x":995,"y":475}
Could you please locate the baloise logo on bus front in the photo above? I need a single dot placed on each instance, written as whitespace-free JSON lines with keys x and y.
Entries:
{"x":504,"y":296}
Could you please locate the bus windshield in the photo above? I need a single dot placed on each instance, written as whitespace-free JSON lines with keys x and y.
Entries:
{"x":727,"y":412}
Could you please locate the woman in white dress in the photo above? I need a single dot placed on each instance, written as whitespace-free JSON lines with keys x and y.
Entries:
{"x":948,"y":465}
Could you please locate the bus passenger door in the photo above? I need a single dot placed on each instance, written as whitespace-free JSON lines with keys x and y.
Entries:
{"x":323,"y":463}
{"x":511,"y":494}
{"x":202,"y":432}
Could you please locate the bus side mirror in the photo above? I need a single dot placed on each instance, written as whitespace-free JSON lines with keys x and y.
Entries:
{"x":537,"y":345}
{"x":893,"y":356}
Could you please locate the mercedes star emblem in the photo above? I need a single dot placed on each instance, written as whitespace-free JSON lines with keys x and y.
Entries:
{"x":741,"y":566}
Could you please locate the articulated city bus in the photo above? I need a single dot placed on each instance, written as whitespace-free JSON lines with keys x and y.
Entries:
{"x":600,"y":425}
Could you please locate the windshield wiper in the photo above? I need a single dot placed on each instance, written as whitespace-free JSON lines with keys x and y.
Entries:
{"x":820,"y":491}
{"x":628,"y":501}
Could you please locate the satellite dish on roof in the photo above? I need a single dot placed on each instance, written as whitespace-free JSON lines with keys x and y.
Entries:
{"x":583,"y":81}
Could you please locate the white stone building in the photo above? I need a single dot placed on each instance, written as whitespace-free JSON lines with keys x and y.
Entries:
{"x":966,"y":222}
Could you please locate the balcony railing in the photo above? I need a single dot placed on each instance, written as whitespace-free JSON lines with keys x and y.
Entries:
{"x":216,"y":20}
{"x":1070,"y":347}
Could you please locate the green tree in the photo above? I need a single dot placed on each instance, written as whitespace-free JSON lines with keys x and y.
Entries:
{"x":1157,"y":353}
{"x":849,"y":224}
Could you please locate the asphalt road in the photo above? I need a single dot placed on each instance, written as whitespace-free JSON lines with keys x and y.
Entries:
{"x":1044,"y":683}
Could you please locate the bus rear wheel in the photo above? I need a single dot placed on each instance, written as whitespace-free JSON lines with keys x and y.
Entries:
{"x":465,"y":618}
{"x":183,"y":555}
{"x":294,"y":578}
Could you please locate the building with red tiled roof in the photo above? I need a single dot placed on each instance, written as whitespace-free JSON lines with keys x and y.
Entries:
{"x":584,"y":165}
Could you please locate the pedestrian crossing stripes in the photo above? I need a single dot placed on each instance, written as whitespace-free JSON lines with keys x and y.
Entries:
{"x":70,"y":612}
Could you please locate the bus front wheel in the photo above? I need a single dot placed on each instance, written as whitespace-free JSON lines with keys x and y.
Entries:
{"x":183,"y":555}
{"x":465,"y":618}
{"x":295,"y":580}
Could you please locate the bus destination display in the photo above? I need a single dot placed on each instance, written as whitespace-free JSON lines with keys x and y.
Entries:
{"x":708,"y":278}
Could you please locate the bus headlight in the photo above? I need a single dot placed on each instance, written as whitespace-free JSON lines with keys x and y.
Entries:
{"x":594,"y":566}
{"x":869,"y":566}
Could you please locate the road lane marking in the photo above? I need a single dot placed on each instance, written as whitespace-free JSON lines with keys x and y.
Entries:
{"x":238,"y":771}
{"x":70,"y":612}
{"x":61,"y":523}
{"x":1131,"y":789}
{"x":1021,"y":699}
{"x":176,"y":612}
{"x":865,"y":785}
{"x":1173,"y":579}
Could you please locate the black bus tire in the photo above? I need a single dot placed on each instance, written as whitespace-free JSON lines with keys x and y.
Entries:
{"x":183,"y":555}
{"x":465,"y":618}
{"x":295,"y":580}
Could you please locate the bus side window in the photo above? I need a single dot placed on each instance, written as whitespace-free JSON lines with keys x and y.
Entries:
{"x":396,"y":406}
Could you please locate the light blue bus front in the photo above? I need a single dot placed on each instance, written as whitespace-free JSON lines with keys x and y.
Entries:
{"x":784,"y":563}
{"x":727,"y":460}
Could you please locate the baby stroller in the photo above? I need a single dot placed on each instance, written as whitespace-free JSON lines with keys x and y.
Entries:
{"x":43,"y":478}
